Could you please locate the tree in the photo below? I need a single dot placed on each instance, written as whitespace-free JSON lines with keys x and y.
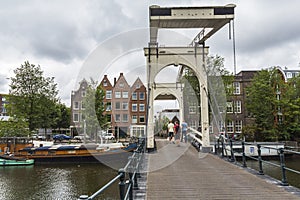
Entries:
{"x":62,"y":116}
{"x":14,"y":127}
{"x":32,"y":96}
{"x":265,"y":105}
{"x":291,"y":101}
{"x":94,"y":109}
{"x":100,"y":107}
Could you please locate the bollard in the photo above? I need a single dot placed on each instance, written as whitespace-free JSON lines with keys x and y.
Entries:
{"x":122,"y":183}
{"x":282,"y":164}
{"x":261,"y":172}
{"x":244,"y":155}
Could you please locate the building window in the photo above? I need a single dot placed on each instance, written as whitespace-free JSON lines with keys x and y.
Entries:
{"x":117,"y":95}
{"x":142,"y":107}
{"x":138,"y":86}
{"x":108,"y":117}
{"x":229,"y":108}
{"x":108,"y":94}
{"x":118,"y":117}
{"x":238,"y":126}
{"x":83,"y":93}
{"x":76,"y":117}
{"x":229,"y":126}
{"x":121,"y":85}
{"x":108,"y":106}
{"x":125,"y":95}
{"x":82,"y":105}
{"x":76,"y":105}
{"x":192,"y":124}
{"x":118,"y":106}
{"x":124,"y":106}
{"x":138,"y":131}
{"x":237,"y":107}
{"x":192,"y":109}
{"x":134,"y":96}
{"x":125,"y":118}
{"x":105,"y":83}
{"x":134,"y":119}
{"x":142,"y":119}
{"x":289,"y":75}
{"x":142,"y":95}
{"x":134,"y":107}
{"x":236,"y":88}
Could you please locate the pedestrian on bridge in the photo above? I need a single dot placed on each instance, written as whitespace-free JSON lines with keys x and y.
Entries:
{"x":170,"y":130}
{"x":177,"y":133}
{"x":184,"y":128}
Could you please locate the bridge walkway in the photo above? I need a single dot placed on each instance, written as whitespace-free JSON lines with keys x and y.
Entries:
{"x":184,"y":173}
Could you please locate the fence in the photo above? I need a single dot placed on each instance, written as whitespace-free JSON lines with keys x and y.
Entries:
{"x":131,"y":170}
{"x":226,"y":149}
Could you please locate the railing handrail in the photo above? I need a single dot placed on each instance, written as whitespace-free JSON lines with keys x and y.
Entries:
{"x":133,"y":171}
{"x":280,"y":150}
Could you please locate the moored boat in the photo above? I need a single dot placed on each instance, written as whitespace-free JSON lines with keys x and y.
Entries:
{"x":79,"y":153}
{"x":15,"y":162}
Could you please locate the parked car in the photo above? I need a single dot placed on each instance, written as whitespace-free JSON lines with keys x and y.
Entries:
{"x":38,"y":137}
{"x":108,"y":136}
{"x":61,"y":137}
{"x":81,"y":137}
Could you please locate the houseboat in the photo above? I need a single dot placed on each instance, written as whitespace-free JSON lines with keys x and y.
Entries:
{"x":50,"y":152}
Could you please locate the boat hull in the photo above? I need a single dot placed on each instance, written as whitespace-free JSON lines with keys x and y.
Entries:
{"x":4,"y":162}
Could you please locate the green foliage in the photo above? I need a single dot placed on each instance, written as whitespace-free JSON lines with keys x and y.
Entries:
{"x":100,"y":107}
{"x":32,"y":96}
{"x":13,"y":127}
{"x":90,"y":121}
{"x":62,"y":116}
{"x":275,"y":106}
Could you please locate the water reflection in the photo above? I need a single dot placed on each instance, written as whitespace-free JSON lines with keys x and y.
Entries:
{"x":292,"y":162}
{"x":55,"y":181}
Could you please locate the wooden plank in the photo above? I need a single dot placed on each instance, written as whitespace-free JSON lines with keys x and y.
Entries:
{"x":204,"y":176}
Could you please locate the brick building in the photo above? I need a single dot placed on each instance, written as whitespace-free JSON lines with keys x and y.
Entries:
{"x":126,"y":106}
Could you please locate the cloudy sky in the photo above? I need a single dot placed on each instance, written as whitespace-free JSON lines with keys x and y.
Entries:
{"x":61,"y":36}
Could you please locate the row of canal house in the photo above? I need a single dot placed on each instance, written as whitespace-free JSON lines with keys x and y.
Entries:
{"x":125,"y":106}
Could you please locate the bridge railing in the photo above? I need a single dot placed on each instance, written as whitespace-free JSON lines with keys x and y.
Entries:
{"x":224,"y":147}
{"x":131,"y":170}
{"x":196,"y":137}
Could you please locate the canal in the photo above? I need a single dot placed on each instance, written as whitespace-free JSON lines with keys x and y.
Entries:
{"x":292,"y":162}
{"x":55,"y":182}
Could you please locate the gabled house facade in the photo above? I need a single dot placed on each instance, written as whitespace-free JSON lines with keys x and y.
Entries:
{"x":77,"y":107}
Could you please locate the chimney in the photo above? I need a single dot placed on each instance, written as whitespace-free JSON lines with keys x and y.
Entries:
{"x":121,"y":74}
{"x":115,"y":81}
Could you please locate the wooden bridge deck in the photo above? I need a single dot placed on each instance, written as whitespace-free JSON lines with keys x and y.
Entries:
{"x":183,"y":173}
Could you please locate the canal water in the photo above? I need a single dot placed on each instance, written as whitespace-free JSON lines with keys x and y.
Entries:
{"x":55,"y":182}
{"x":292,"y":162}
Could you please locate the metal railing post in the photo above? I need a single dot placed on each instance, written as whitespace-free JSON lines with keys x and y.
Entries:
{"x":122,"y":183}
{"x":244,"y":155}
{"x":130,"y":173}
{"x":222,"y":148}
{"x":231,"y":151}
{"x":282,"y":164}
{"x":261,"y":172}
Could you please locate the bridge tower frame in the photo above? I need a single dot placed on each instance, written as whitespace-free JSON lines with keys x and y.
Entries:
{"x":193,"y":57}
